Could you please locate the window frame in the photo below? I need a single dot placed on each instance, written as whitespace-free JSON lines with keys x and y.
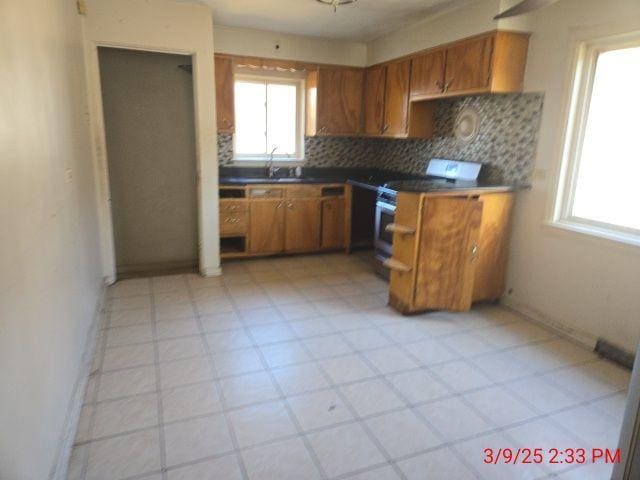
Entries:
{"x":288,"y":159}
{"x":580,"y":93}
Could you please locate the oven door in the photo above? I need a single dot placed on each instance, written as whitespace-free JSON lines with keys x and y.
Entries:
{"x":385,"y":214}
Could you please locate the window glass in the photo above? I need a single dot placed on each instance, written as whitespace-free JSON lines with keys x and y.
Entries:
{"x":608,"y":162}
{"x":251,"y":118}
{"x":267,"y":117}
{"x":281,"y":118}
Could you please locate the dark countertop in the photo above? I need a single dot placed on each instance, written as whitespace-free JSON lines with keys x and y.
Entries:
{"x":368,"y":178}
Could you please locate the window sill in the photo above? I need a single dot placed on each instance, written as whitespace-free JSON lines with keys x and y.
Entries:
{"x":601,"y":232}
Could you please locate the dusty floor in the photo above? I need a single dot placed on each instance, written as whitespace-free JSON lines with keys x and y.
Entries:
{"x":294,"y":368}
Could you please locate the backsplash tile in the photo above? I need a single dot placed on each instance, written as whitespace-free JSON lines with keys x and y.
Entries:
{"x":506,"y":142}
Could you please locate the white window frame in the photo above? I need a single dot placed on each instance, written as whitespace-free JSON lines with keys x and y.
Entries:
{"x":259,"y":159}
{"x":580,"y":92}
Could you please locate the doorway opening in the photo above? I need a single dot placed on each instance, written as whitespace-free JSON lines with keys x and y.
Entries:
{"x":149,"y":119}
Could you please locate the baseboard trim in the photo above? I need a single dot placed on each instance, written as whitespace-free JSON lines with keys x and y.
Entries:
{"x":211,"y":272}
{"x":536,"y":316}
{"x":65,"y":445}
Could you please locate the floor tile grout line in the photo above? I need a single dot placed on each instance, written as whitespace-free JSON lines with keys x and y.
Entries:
{"x":219,"y":391}
{"x":289,"y":410}
{"x":416,"y":411}
{"x":156,"y":357}
{"x":408,"y":405}
{"x":358,"y":419}
{"x":504,"y":383}
{"x":96,"y":392}
{"x":437,"y":338}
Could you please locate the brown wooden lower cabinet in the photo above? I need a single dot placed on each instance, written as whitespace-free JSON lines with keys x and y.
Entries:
{"x":333,"y":222}
{"x":266,"y":226}
{"x":448,"y":251}
{"x":302,"y":225}
{"x":261,"y":220}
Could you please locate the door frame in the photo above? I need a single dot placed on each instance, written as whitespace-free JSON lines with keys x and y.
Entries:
{"x":208,"y":244}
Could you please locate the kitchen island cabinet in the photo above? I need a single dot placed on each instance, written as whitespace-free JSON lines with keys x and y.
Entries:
{"x":449,"y":250}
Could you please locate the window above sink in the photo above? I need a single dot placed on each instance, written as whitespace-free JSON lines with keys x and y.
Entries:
{"x":269,"y":119}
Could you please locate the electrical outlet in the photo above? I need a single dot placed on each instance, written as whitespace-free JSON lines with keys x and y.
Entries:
{"x":82,"y":7}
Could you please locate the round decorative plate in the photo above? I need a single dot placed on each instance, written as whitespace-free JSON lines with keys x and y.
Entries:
{"x":467,"y":125}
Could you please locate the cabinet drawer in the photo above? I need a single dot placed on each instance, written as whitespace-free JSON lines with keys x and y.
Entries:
{"x":266,"y":192}
{"x":233,"y":206}
{"x":304,"y":191}
{"x":233,"y":223}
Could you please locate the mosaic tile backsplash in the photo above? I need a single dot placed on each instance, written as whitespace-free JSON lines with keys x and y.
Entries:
{"x":506,"y":142}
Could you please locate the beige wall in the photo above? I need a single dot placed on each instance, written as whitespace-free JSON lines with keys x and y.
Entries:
{"x":581,"y":284}
{"x":170,"y":27}
{"x":586,"y":284}
{"x":242,"y":41}
{"x":49,"y":244}
{"x":149,"y":119}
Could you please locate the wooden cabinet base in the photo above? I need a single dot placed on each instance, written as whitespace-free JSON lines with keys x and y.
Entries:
{"x":267,"y":220}
{"x":457,"y":254}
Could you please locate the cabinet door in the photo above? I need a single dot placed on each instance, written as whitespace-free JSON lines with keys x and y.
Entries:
{"x":374,"y":91}
{"x":266,"y":226}
{"x":339,"y":101}
{"x":396,"y":104}
{"x":427,"y":74}
{"x":333,"y":218}
{"x":468,"y":66}
{"x":448,"y":250}
{"x":224,"y":94}
{"x":302,"y":225}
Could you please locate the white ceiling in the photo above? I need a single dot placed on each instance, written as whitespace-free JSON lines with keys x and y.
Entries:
{"x":361,"y":21}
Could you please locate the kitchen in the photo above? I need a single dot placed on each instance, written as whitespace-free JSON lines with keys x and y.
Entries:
{"x":273,"y":210}
{"x":320,"y":239}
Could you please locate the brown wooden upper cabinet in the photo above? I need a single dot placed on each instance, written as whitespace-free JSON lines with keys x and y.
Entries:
{"x":224,"y":94}
{"x":396,"y":99}
{"x":334,"y":101}
{"x":427,"y":74}
{"x":386,"y":99}
{"x":388,"y":111}
{"x":374,"y":93}
{"x":489,"y":63}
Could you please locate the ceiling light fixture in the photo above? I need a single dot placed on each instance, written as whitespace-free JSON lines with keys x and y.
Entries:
{"x":336,"y":3}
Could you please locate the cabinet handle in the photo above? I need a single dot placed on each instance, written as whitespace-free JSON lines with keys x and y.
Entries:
{"x":385,"y":128}
{"x":323,"y":129}
{"x":448,"y":84}
{"x":279,"y":205}
{"x":232,"y":220}
{"x":474,"y":253}
{"x":290,"y":206}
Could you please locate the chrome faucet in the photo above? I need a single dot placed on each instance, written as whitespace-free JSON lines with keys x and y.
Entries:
{"x":271,"y":170}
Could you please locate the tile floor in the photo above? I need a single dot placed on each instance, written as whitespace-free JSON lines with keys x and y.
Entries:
{"x":294,"y":368}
